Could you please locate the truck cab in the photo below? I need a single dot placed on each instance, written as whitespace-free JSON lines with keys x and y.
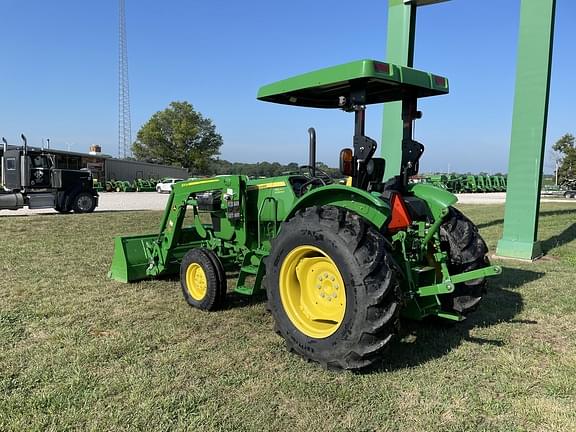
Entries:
{"x":30,"y":179}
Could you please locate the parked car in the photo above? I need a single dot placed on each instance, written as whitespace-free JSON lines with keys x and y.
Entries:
{"x":165,"y":186}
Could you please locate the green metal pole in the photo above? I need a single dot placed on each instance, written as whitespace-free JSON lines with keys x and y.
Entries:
{"x":399,"y":50}
{"x":528,"y":130}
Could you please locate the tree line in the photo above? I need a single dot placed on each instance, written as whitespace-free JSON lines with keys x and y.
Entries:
{"x":259,"y":169}
{"x":181,"y":136}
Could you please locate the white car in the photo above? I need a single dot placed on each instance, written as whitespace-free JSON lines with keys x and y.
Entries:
{"x":165,"y":186}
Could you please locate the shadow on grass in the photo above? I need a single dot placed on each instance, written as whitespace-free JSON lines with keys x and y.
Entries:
{"x":542,"y":214}
{"x":430,"y":339}
{"x":561,"y":239}
{"x":233,"y":299}
{"x":427,"y":340}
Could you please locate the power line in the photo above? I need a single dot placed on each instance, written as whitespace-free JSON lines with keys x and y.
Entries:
{"x":124,"y":121}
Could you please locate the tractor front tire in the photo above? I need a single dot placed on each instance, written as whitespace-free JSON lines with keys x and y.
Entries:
{"x":331,"y":289}
{"x":201,"y":279}
{"x":220,"y":272}
{"x":466,"y":252}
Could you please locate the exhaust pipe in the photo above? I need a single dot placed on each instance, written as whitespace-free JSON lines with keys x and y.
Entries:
{"x":25,"y":144}
{"x":312,"y":154}
{"x":24,"y":164}
{"x":4,"y":148}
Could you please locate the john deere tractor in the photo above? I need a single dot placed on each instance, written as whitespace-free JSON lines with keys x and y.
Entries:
{"x":341,"y":264}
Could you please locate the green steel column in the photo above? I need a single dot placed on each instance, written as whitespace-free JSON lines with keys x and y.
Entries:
{"x":399,"y":50}
{"x":528,"y":130}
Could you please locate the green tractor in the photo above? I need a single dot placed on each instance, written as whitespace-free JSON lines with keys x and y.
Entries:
{"x":481,"y":182}
{"x":140,"y":185}
{"x":340,"y":264}
{"x":469,"y":184}
{"x":454,"y":183}
{"x":438,"y":180}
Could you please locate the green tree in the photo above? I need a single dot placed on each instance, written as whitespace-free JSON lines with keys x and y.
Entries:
{"x":179,"y":135}
{"x":566,"y":148}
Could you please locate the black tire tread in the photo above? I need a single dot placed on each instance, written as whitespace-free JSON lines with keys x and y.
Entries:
{"x":213,"y":299}
{"x":466,"y":251}
{"x":222,"y":281}
{"x":75,"y":203}
{"x":377,"y":320}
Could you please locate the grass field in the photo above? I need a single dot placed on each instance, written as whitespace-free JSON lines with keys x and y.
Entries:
{"x":81,"y":352}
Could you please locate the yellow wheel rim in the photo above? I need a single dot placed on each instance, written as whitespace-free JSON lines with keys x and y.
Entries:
{"x":196,"y":282}
{"x":312,"y":292}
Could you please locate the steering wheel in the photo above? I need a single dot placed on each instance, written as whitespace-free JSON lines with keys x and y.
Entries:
{"x":323,"y":177}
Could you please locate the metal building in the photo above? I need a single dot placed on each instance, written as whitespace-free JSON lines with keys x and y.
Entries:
{"x":121,"y":169}
{"x":105,"y":167}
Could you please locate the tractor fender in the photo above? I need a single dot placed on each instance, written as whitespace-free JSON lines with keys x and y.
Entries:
{"x":436,"y":198}
{"x":370,"y":207}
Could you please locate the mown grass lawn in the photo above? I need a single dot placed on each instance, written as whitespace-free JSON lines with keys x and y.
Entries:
{"x":81,"y":352}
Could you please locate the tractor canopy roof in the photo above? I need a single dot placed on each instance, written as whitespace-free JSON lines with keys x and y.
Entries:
{"x":377,"y":81}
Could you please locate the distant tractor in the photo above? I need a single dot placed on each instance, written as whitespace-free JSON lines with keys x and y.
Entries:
{"x":30,"y":179}
{"x":340,"y":264}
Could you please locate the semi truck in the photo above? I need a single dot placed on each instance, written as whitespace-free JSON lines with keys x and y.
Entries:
{"x":30,"y":179}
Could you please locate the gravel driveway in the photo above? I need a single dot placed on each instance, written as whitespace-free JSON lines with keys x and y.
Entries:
{"x":119,"y":201}
{"x":111,"y":201}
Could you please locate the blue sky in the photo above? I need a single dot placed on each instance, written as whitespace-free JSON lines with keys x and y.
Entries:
{"x":58,"y":72}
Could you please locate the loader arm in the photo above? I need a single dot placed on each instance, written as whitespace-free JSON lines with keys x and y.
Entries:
{"x":174,"y":240}
{"x":142,"y":256}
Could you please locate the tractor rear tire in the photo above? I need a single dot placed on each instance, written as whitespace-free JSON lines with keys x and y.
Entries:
{"x":466,"y":252}
{"x":331,"y":289}
{"x":200,"y":280}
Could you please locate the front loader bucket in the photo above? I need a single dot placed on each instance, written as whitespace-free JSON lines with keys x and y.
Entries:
{"x":130,"y":258}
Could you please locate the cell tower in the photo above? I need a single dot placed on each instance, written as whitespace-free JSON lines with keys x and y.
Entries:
{"x":124,"y":122}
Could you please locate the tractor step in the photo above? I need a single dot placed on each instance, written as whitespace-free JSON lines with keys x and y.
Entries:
{"x":244,"y":289}
{"x":251,"y":269}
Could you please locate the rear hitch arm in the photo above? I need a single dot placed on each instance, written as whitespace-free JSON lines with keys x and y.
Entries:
{"x":447,"y":286}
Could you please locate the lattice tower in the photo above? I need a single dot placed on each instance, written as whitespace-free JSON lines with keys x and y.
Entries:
{"x":124,"y":121}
